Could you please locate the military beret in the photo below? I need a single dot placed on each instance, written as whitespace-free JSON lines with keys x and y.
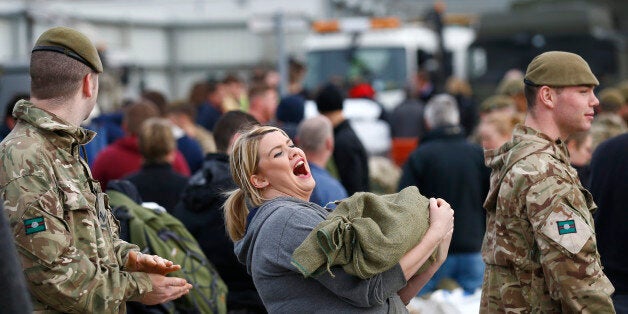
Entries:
{"x":559,"y":68}
{"x":72,"y":43}
{"x":510,"y":87}
{"x":611,"y":99}
{"x":496,"y":102}
{"x":623,"y":88}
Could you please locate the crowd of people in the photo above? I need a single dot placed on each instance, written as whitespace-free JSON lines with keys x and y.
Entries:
{"x":251,"y":176}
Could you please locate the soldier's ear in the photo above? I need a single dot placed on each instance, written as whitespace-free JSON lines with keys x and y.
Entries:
{"x":546,"y":96}
{"x":89,"y":84}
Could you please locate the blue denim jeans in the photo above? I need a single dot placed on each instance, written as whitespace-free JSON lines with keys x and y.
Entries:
{"x":467,"y":269}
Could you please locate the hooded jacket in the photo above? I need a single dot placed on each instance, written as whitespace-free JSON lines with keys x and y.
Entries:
{"x":540,"y":246}
{"x":200,"y":210}
{"x":274,"y":231}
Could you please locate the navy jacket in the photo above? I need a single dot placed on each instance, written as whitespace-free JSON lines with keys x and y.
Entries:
{"x":609,"y":187}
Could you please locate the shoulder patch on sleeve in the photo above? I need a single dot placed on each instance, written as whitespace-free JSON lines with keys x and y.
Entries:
{"x":567,"y":230}
{"x":34,"y":225}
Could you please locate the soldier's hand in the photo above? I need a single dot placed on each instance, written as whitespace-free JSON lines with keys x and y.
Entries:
{"x":441,"y":218}
{"x":164,"y":289}
{"x":152,"y":264}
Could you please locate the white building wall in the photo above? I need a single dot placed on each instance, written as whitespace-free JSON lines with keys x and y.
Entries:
{"x":219,"y":46}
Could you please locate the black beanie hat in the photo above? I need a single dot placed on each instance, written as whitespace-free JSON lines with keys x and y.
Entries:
{"x":329,"y":98}
{"x":291,"y":109}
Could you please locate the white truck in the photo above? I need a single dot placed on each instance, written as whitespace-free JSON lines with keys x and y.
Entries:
{"x":383,"y":51}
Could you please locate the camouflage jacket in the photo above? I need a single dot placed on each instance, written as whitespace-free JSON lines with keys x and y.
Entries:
{"x":539,"y":248}
{"x":66,"y":236}
{"x":605,"y":126}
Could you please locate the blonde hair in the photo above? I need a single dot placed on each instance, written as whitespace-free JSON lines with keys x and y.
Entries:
{"x":156,"y":140}
{"x":244,"y":160}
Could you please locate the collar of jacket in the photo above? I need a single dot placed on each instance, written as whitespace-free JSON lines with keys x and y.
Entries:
{"x":42,"y":119}
{"x":558,"y":147}
{"x":445,"y":132}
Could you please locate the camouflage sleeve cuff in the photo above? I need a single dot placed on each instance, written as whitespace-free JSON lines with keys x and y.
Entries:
{"x":122,"y":251}
{"x":142,"y":285}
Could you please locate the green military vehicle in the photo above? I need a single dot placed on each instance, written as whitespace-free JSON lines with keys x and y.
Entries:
{"x":509,"y":40}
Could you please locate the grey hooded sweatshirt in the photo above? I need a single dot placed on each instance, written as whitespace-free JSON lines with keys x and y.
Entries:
{"x":274,"y":231}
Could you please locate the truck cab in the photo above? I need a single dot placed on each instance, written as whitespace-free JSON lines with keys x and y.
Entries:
{"x":383,"y":52}
{"x":510,"y":40}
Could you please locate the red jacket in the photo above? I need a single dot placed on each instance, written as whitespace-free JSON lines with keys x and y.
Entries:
{"x":123,"y":157}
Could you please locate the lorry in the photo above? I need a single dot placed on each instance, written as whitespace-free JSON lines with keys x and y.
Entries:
{"x":510,"y":40}
{"x":382,"y":51}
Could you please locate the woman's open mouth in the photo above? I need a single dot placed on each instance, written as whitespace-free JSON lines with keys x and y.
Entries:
{"x":300,"y":169}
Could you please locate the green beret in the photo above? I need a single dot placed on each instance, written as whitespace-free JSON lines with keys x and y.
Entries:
{"x":611,"y":99}
{"x":510,"y":87}
{"x":559,"y":68}
{"x":496,"y":102}
{"x":623,"y":88}
{"x":72,"y":43}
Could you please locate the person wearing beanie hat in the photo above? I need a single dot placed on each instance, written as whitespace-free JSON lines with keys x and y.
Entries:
{"x":349,"y":157}
{"x":291,"y":109}
{"x":66,"y":235}
{"x":623,"y":88}
{"x":290,"y":112}
{"x":539,"y":247}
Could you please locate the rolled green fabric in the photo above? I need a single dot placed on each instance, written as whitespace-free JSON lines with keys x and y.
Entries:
{"x":366,"y":234}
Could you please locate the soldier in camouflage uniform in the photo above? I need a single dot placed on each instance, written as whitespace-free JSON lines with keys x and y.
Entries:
{"x":540,"y":248}
{"x":608,"y":123}
{"x":66,"y":236}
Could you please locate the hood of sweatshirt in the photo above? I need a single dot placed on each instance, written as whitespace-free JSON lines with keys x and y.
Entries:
{"x":525,"y":142}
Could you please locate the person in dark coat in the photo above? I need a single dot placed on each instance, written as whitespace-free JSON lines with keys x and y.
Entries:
{"x":209,"y":105}
{"x":157,"y":181}
{"x":200,"y":210}
{"x":608,"y":185}
{"x":15,"y":297}
{"x":446,"y":165}
{"x":350,"y":157}
{"x":290,"y":112}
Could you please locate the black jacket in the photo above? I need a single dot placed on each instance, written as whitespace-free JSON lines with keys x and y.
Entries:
{"x":200,"y":210}
{"x":446,"y":165}
{"x":609,"y":187}
{"x":351,"y":159}
{"x":159,"y":183}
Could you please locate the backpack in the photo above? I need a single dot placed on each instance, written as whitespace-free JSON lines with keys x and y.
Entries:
{"x":159,"y":233}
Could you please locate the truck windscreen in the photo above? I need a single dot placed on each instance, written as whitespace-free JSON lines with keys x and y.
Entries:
{"x":384,"y":68}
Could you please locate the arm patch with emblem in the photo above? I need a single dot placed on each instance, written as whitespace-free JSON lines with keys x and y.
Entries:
{"x":567,"y":230}
{"x":34,"y":225}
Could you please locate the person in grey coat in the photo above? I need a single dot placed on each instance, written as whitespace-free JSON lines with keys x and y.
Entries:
{"x":274,"y":178}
